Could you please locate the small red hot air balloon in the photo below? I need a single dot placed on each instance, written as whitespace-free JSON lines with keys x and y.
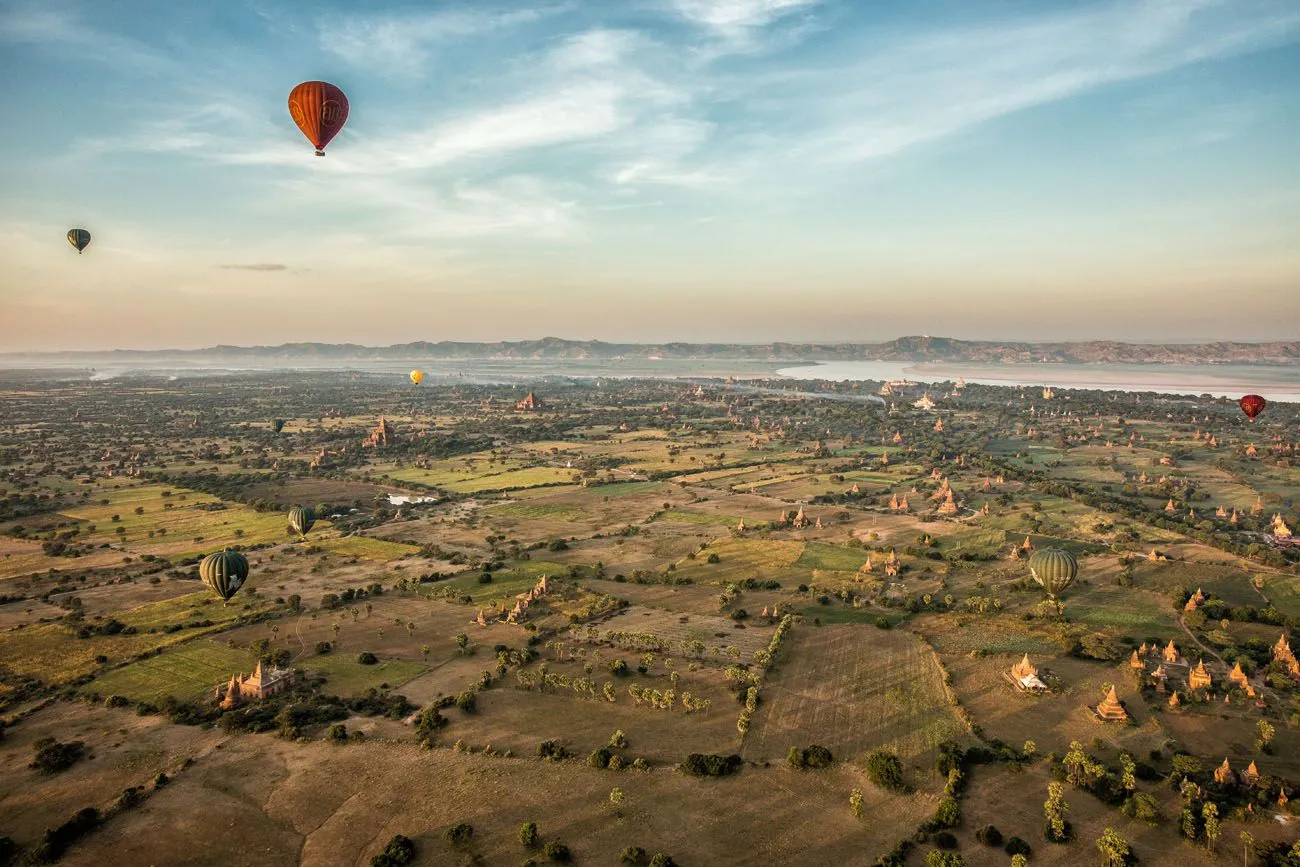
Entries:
{"x":1252,"y":405}
{"x":320,"y":109}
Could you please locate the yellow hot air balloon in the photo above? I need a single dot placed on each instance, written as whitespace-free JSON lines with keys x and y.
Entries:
{"x":416,"y":376}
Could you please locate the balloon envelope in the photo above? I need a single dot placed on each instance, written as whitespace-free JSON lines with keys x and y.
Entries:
{"x":1054,"y":569}
{"x":301,"y":519}
{"x":320,"y":109}
{"x":417,"y":376}
{"x":1252,"y":405}
{"x":78,"y":238}
{"x":278,"y":424}
{"x":225,"y":572}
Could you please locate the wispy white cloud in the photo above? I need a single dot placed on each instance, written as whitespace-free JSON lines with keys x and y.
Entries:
{"x":53,"y":26}
{"x":933,"y":86}
{"x":731,"y":17}
{"x":401,"y":43}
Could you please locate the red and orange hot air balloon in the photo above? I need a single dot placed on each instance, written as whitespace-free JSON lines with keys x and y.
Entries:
{"x":1252,"y":405}
{"x":320,"y":109}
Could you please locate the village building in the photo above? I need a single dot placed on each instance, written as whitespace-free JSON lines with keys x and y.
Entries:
{"x":1251,"y":451}
{"x":1223,"y":775}
{"x":1251,"y":775}
{"x":1238,"y":677}
{"x":948,"y":507}
{"x":925,"y":403}
{"x":1174,"y":701}
{"x":255,"y":687}
{"x":1195,"y":601}
{"x":1110,"y":710}
{"x":530,"y":403}
{"x":1135,"y":662}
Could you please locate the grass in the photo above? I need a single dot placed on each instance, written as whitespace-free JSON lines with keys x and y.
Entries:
{"x":537,"y":510}
{"x":378,"y":550}
{"x":345,"y":677}
{"x":525,"y":478}
{"x":854,"y":689}
{"x":819,"y":555}
{"x":686,"y":516}
{"x":186,"y":673}
{"x":623,"y":489}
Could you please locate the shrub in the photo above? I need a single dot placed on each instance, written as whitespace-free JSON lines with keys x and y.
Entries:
{"x":1016,"y":846}
{"x":459,"y":834}
{"x":701,"y":765}
{"x":989,"y":836}
{"x":52,"y":756}
{"x":662,"y":860}
{"x":552,"y":750}
{"x":600,"y":758}
{"x":399,"y":851}
{"x":885,"y":770}
{"x":467,"y":702}
{"x":557,"y":851}
{"x":633,"y":855}
{"x":323,"y":647}
{"x":367,"y":658}
{"x":337,"y":733}
{"x":528,"y":834}
{"x":945,"y":840}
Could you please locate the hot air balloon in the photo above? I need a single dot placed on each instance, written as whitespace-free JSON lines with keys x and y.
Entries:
{"x":320,"y":110}
{"x":301,"y":519}
{"x":1252,"y":405}
{"x":278,"y":425}
{"x":1054,"y":569}
{"x":417,"y":376}
{"x":224,"y":572}
{"x":78,"y":238}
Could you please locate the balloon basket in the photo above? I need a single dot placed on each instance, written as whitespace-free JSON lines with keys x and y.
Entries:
{"x":320,"y":153}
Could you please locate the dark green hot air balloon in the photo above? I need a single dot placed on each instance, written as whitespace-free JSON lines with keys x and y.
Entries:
{"x":301,"y":519}
{"x":225,"y":572}
{"x":278,"y":424}
{"x":78,"y":238}
{"x":1054,"y":569}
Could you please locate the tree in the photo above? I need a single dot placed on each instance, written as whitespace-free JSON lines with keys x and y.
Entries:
{"x":1128,"y":778}
{"x":1080,"y":769}
{"x":855,"y":802}
{"x":1210,"y":812}
{"x":885,"y":770}
{"x":938,"y":858}
{"x":1019,"y":861}
{"x":1114,"y":849}
{"x":616,"y":800}
{"x":528,"y":834}
{"x":1266,"y":732}
{"x":1029,"y":749}
{"x":1247,"y":843}
{"x":1055,"y":810}
{"x":462,"y":641}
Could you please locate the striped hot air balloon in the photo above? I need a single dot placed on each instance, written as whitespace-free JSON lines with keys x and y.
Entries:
{"x":224,"y":572}
{"x":79,"y":238}
{"x":301,"y":519}
{"x":1054,"y":569}
{"x":319,"y":109}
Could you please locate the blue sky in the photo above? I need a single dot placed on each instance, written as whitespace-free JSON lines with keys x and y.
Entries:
{"x":651,"y":170}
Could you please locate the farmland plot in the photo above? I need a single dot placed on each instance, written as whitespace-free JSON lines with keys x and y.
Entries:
{"x":853,"y":689}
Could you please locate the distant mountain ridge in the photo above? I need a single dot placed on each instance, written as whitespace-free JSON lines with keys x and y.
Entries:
{"x":914,"y":348}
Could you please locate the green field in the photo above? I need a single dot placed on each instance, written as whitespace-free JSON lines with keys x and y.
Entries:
{"x":378,"y":550}
{"x":819,"y":555}
{"x":346,"y":677}
{"x":187,"y":672}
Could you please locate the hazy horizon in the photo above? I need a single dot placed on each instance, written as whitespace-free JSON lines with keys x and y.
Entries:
{"x":737,"y":171}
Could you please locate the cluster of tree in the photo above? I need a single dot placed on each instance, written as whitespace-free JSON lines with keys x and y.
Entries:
{"x":711,"y":765}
